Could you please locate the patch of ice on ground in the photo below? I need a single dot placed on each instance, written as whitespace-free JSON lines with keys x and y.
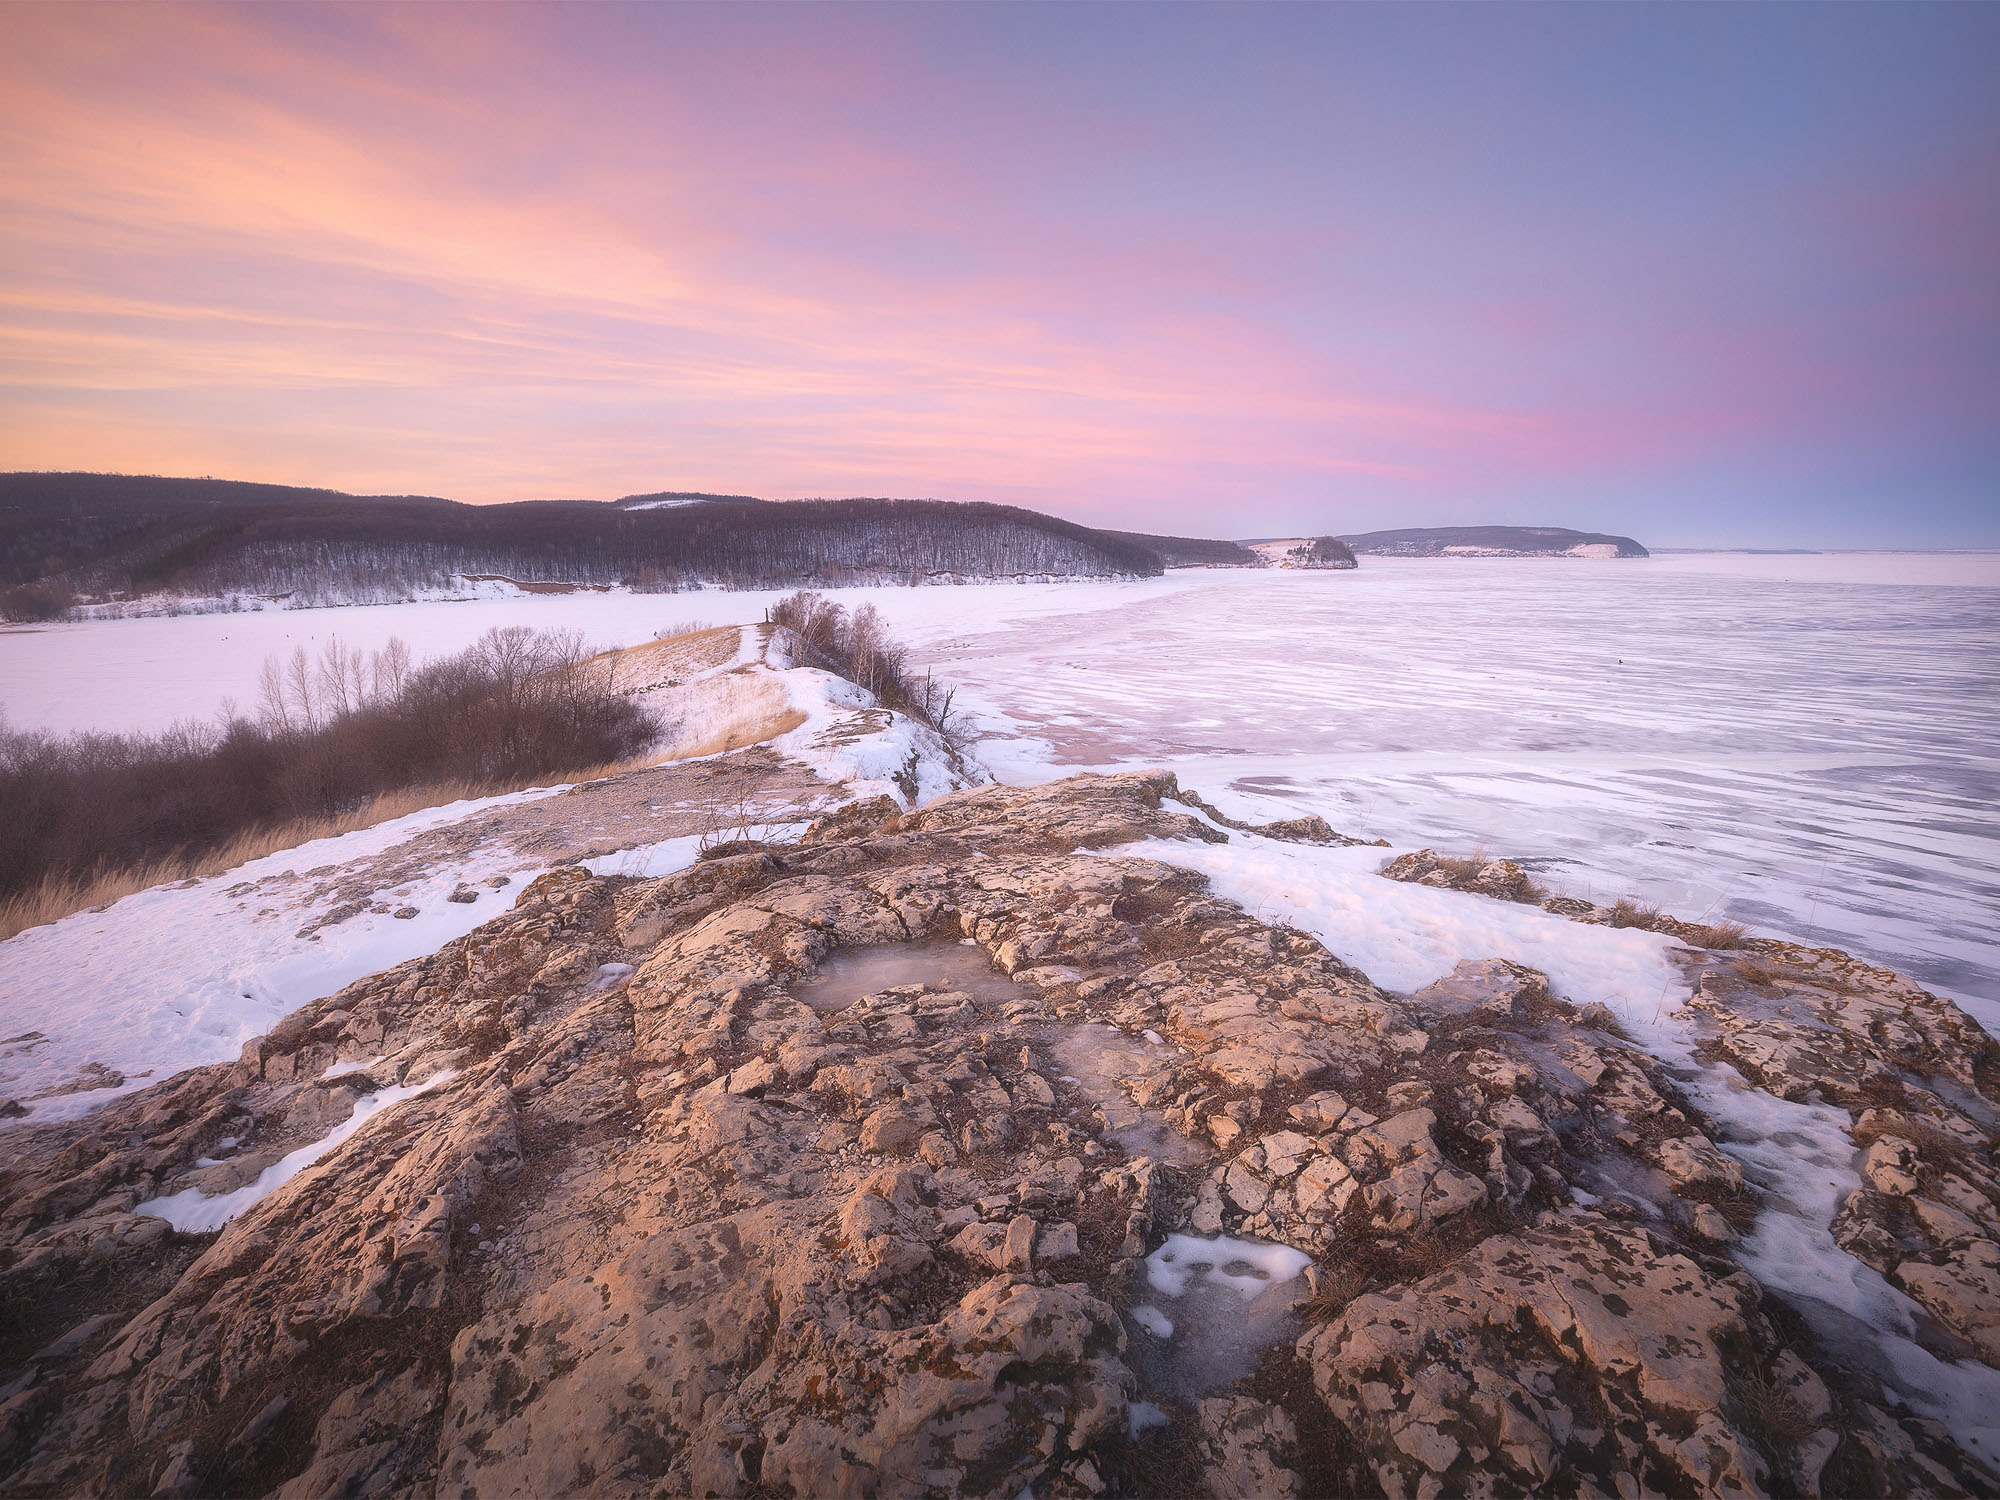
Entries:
{"x":352,"y":1065}
{"x":1142,"y":1417}
{"x":1247,"y":1267}
{"x":193,"y":1212}
{"x":1230,"y":1300}
{"x":182,"y":975}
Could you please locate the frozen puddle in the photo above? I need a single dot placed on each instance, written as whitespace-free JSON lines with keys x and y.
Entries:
{"x":1217,"y":1304}
{"x":192,"y":1211}
{"x":939,"y":965}
{"x":1099,"y":1060}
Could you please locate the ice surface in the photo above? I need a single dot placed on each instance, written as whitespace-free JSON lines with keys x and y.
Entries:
{"x":193,"y":1212}
{"x":1807,"y":745}
{"x":1230,"y":1302}
{"x":1804,"y":743}
{"x":847,"y":974}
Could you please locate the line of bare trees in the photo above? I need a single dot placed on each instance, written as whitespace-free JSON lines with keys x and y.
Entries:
{"x":332,"y":733}
{"x":103,"y":537}
{"x":858,"y":646}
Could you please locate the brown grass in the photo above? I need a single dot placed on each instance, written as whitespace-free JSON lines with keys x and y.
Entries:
{"x":742,"y":735}
{"x":59,"y":896}
{"x":1631,"y":914}
{"x":1719,"y":935}
{"x":1757,"y":973}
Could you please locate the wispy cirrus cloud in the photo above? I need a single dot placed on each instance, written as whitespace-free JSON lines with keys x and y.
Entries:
{"x":1203,"y":270}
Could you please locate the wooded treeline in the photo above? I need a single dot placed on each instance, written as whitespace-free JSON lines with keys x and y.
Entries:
{"x":332,"y":732}
{"x":107,"y":536}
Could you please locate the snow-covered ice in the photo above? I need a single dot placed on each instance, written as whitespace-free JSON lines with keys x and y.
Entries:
{"x":1805,"y":743}
{"x":193,"y":1212}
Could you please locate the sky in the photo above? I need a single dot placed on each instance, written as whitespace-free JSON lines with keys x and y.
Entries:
{"x":1704,"y":275}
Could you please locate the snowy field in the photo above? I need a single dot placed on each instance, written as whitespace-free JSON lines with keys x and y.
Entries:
{"x":1804,"y":743}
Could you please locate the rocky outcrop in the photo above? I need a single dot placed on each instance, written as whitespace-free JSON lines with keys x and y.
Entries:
{"x":666,"y":1218}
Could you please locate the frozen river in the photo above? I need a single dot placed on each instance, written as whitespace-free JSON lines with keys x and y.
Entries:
{"x":1807,"y":744}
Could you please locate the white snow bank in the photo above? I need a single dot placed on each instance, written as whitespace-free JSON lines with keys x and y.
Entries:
{"x":193,"y":1212}
{"x":648,"y":861}
{"x":850,"y":739}
{"x":183,"y":975}
{"x":1407,"y":936}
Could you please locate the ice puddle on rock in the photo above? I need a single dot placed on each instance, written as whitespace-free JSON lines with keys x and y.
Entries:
{"x":1217,"y":1305}
{"x":852,"y":973}
{"x":1097,"y":1061}
{"x":192,"y":1211}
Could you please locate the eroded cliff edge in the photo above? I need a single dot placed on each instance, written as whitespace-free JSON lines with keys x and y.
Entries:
{"x":673,"y":1217}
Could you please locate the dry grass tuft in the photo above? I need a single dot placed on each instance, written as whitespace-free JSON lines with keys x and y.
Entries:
{"x":1632,"y":914}
{"x":1719,"y":935}
{"x":1758,"y":973}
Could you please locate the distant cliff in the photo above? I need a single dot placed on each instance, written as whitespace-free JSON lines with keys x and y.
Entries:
{"x":1315,"y":552}
{"x":1493,"y":541}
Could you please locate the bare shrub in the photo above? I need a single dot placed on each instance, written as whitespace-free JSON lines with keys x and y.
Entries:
{"x":860,"y":648}
{"x":31,"y":603}
{"x":334,"y":735}
{"x":737,"y":815}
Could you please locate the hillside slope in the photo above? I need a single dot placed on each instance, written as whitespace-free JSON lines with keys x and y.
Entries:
{"x":1192,"y":551}
{"x":1494,"y":541}
{"x":105,"y":535}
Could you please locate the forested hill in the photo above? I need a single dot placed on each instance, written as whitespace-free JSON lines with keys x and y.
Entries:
{"x":1192,"y":551}
{"x":102,"y":535}
{"x":1494,"y":541}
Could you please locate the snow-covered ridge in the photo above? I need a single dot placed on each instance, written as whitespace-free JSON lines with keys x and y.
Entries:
{"x":105,"y":1002}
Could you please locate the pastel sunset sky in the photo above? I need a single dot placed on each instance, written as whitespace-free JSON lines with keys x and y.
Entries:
{"x":1708,"y":274}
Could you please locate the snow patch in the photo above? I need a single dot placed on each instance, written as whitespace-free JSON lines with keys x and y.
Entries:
{"x":183,"y":975}
{"x":1405,"y":937}
{"x":1246,"y":1267}
{"x":193,"y":1212}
